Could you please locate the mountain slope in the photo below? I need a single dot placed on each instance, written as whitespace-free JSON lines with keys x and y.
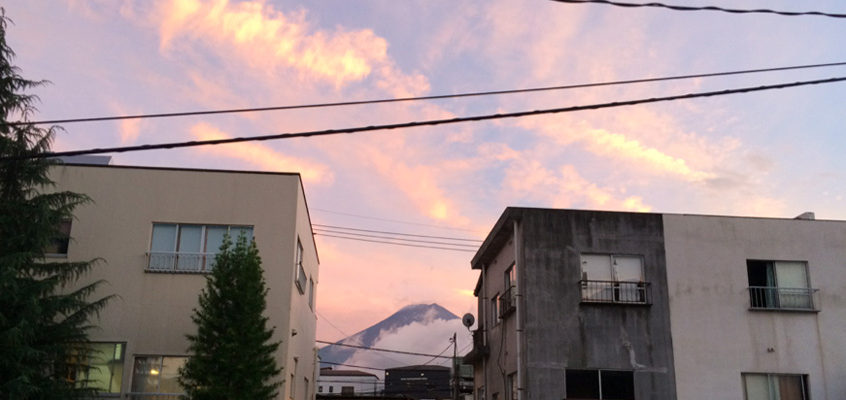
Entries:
{"x":424,"y":314}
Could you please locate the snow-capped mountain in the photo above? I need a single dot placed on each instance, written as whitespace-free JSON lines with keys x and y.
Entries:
{"x":421,"y":328}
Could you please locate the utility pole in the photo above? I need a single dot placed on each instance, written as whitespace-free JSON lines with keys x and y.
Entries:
{"x":454,"y":367}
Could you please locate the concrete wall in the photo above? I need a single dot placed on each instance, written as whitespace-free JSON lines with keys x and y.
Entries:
{"x":716,"y":337}
{"x":152,"y":314}
{"x":562,"y":332}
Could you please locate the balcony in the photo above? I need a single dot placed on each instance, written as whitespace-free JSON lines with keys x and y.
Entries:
{"x":779,"y":298}
{"x":183,"y":262}
{"x":507,"y":303}
{"x":615,"y":292}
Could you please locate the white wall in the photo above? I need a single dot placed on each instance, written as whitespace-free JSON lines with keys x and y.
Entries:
{"x":715,"y":335}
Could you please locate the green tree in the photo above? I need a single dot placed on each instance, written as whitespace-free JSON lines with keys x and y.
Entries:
{"x":232,"y":355}
{"x":44,"y":313}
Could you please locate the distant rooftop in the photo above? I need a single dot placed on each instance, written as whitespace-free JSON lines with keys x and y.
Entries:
{"x":344,"y":372}
{"x":89,"y":160}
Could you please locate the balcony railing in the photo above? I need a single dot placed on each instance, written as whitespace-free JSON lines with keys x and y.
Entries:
{"x":507,"y":303}
{"x":155,"y":396}
{"x":615,"y":292}
{"x":779,"y":298}
{"x":180,"y":262}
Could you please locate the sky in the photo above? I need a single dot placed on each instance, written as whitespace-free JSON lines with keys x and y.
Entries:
{"x":775,"y":153}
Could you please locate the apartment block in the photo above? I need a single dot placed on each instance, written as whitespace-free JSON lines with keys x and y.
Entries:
{"x":156,"y":231}
{"x":615,"y":305}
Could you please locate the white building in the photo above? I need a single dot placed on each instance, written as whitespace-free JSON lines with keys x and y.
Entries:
{"x":348,"y":383}
{"x":156,"y":231}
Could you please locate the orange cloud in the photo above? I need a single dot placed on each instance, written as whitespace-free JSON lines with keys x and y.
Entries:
{"x":256,"y":33}
{"x":261,"y":155}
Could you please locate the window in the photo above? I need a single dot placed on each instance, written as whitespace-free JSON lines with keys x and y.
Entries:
{"x":347,"y":390}
{"x":311,"y":293}
{"x":103,"y":368}
{"x":592,"y":384}
{"x":775,"y":387}
{"x":157,"y":374}
{"x":189,"y":248}
{"x":293,"y":385}
{"x":59,"y":244}
{"x":495,"y":310}
{"x":613,"y":279}
{"x":300,"y":280}
{"x":331,"y":389}
{"x":319,"y":389}
{"x":508,"y":300}
{"x":779,"y":285}
{"x":480,"y":393}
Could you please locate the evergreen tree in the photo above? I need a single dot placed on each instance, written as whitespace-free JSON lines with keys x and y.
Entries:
{"x":44,"y":313}
{"x":231,"y":356}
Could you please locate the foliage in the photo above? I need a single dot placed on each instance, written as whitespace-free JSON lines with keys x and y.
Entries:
{"x":231,"y":356}
{"x":44,"y":314}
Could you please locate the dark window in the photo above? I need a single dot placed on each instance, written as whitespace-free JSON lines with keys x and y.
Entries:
{"x":347,"y":390}
{"x":591,"y":384}
{"x":59,"y":243}
{"x":779,"y":285}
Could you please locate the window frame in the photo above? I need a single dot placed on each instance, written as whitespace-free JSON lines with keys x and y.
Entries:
{"x":599,"y":372}
{"x":615,"y":290}
{"x":300,"y":278}
{"x":168,"y":261}
{"x":60,"y":243}
{"x":774,"y":296}
{"x":133,"y":384}
{"x":803,"y":380}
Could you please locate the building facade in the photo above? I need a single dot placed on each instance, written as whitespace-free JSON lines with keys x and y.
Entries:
{"x":156,"y":231}
{"x":338,"y":384}
{"x":614,"y":305}
{"x":419,"y":382}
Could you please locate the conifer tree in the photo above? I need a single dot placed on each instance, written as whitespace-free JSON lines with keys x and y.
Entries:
{"x":44,"y":313}
{"x":232,"y":356}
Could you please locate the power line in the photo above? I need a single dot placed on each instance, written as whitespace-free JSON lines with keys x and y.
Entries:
{"x":331,"y":324}
{"x":380,"y":349}
{"x":400,"y":240}
{"x":418,"y":98}
{"x":709,"y":8}
{"x":392,"y":220}
{"x":351,"y":365}
{"x":395,"y":233}
{"x":441,"y":353}
{"x":434,"y":122}
{"x":397,"y":244}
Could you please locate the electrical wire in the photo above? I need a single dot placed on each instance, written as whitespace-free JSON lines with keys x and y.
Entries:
{"x":434,"y":122}
{"x":395,"y":233}
{"x":351,"y":365}
{"x":331,"y":324}
{"x":397,"y":244}
{"x":411,"y":353}
{"x":709,"y":8}
{"x":400,"y":240}
{"x":441,"y":353}
{"x":419,"y":98}
{"x":391,"y":220}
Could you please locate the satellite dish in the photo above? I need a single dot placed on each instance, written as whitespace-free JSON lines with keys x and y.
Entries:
{"x":468,"y":320}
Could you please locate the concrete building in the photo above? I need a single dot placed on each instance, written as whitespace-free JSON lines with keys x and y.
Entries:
{"x":339,"y":383}
{"x":614,"y":305}
{"x":156,"y":231}
{"x":419,"y":382}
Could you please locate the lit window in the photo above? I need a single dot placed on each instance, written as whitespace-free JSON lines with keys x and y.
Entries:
{"x":190,"y":248}
{"x":779,"y":285}
{"x":613,"y":279}
{"x":599,"y":384}
{"x":103,"y":368}
{"x":157,"y":374}
{"x":775,"y":387}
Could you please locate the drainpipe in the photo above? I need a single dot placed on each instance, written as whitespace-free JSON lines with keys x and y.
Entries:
{"x":518,"y":296}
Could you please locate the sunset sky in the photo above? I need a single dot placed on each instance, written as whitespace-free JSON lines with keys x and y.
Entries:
{"x":775,"y":153}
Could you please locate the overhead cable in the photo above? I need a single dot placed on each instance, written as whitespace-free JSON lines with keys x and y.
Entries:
{"x":411,"y":353}
{"x":396,"y":244}
{"x":434,"y":122}
{"x":395,"y":233}
{"x":709,"y":8}
{"x":417,"y":98}
{"x":392,"y":220}
{"x":351,"y":365}
{"x":396,"y":239}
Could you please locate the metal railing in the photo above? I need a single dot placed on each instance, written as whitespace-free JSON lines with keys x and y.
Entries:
{"x":615,"y":292}
{"x":155,"y":396}
{"x":507,"y":303}
{"x":779,"y":298}
{"x":180,"y":262}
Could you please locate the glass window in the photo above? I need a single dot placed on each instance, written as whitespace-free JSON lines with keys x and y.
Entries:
{"x":613,"y":278}
{"x":599,"y":384}
{"x":779,"y":284}
{"x":189,"y":247}
{"x":311,"y":293}
{"x":775,"y":387}
{"x":300,"y":280}
{"x":157,"y":374}
{"x":59,"y":244}
{"x":103,"y":368}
